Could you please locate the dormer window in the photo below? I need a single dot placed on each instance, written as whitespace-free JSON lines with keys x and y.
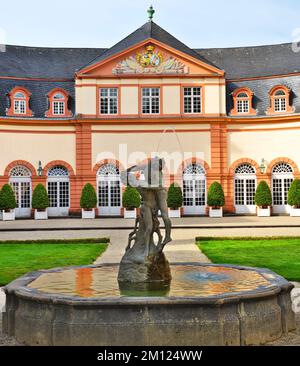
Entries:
{"x":242,"y":102}
{"x":58,"y":104}
{"x":19,"y":103}
{"x":279,"y":100}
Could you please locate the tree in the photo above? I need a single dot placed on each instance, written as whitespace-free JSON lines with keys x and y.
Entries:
{"x":40,"y":199}
{"x":294,"y":194}
{"x":88,"y":199}
{"x":175,"y":198}
{"x":215,"y":197}
{"x":263,"y":195}
{"x":131,"y":198}
{"x":7,"y":198}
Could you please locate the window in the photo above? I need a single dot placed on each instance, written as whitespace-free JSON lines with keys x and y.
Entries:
{"x":192,"y":100}
{"x":58,"y":104}
{"x":279,"y":100}
{"x":244,"y":189}
{"x":150,"y":100}
{"x":19,"y":103}
{"x":109,"y":101}
{"x":242,"y":102}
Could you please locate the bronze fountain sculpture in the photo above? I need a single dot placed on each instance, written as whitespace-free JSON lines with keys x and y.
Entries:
{"x":144,"y":261}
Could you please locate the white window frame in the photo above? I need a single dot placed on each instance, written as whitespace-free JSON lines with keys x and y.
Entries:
{"x":59,"y":103}
{"x":150,"y":98}
{"x":18,"y":103}
{"x":111,"y":100}
{"x":192,"y":98}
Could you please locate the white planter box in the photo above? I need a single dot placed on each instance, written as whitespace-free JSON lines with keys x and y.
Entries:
{"x":175,"y":214}
{"x":88,"y":214}
{"x":295,"y":212}
{"x":215,"y":213}
{"x":263,"y":212}
{"x":8,"y":216}
{"x":129,"y":214}
{"x":41,"y":215}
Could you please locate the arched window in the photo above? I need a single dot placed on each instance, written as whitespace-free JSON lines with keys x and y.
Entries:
{"x":194,"y":190}
{"x":242,"y":102}
{"x":280,"y":100}
{"x":19,"y":103}
{"x":244,"y":189}
{"x":58,"y":184}
{"x":58,"y":104}
{"x":20,"y":181}
{"x":109,"y":190}
{"x":282,"y":178}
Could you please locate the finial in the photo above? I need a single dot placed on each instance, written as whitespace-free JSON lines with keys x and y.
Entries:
{"x":150,"y":12}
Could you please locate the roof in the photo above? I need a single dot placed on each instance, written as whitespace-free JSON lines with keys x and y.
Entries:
{"x":41,"y":62}
{"x":147,"y":31}
{"x":257,"y":61}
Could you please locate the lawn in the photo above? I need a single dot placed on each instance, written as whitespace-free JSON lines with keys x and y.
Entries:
{"x":17,"y":259}
{"x":281,"y":255}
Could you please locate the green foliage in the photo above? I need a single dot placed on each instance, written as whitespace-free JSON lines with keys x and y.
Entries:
{"x":131,"y":198}
{"x":40,"y":199}
{"x":175,"y":198}
{"x":294,"y":194}
{"x":7,"y":198}
{"x":88,"y":198}
{"x":263,"y":195}
{"x":281,"y":255}
{"x":17,"y":259}
{"x":215,"y":197}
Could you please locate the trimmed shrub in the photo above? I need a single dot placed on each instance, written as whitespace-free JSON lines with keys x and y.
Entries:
{"x":131,"y":198}
{"x":263,"y":195}
{"x":175,"y":198}
{"x":215,"y":197}
{"x":88,"y":199}
{"x":7,"y":198}
{"x":294,"y":194}
{"x":40,"y":199}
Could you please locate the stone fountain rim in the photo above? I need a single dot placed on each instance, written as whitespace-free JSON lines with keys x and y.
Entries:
{"x":19,"y":288}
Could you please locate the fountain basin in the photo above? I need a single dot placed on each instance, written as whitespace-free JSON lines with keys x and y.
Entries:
{"x":204,"y":305}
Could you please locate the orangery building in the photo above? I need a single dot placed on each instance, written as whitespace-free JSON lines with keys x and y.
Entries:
{"x":69,"y":115}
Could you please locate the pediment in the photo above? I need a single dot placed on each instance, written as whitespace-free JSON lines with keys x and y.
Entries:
{"x":149,"y":58}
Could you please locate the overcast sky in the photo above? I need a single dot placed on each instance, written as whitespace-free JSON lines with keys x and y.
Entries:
{"x":102,"y":23}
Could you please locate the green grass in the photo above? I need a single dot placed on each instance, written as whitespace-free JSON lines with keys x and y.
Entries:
{"x":17,"y":259}
{"x":281,"y":255}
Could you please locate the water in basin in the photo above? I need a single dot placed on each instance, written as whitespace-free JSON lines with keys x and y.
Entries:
{"x":187,"y":280}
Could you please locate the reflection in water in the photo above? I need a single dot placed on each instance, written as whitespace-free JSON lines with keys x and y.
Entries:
{"x":187,"y":280}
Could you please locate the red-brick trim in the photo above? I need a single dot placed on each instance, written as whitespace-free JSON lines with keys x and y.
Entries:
{"x":19,"y":163}
{"x":54,"y":163}
{"x":282,"y":160}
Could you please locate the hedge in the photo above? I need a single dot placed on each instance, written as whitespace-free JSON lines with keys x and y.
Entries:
{"x":175,"y":198}
{"x":215,"y":197}
{"x":294,"y":194}
{"x":88,"y":199}
{"x":7,"y":198}
{"x":40,"y":198}
{"x":131,"y":198}
{"x":263,"y":195}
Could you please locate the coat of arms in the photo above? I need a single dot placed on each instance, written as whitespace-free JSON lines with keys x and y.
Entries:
{"x":150,"y":61}
{"x":149,"y":58}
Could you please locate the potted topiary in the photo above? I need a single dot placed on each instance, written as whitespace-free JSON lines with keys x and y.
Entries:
{"x":8,"y":203}
{"x":40,"y":202}
{"x":294,"y":198}
{"x":131,"y":200}
{"x":175,"y":200}
{"x":88,"y":202}
{"x":263,"y":199}
{"x":215,"y":200}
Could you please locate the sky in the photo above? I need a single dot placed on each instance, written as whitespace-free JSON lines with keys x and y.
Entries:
{"x":102,"y":23}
